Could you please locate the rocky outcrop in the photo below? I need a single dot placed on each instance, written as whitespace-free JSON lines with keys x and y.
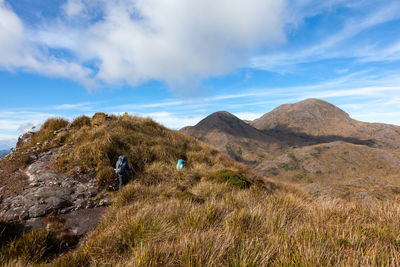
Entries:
{"x":24,"y":139}
{"x":51,"y":192}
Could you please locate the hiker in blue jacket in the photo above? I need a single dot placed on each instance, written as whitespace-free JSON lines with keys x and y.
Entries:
{"x":122,"y":169}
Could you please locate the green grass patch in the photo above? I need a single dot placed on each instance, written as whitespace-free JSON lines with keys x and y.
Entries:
{"x":230,"y":177}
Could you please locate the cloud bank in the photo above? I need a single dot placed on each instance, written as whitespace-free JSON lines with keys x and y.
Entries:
{"x":133,"y":41}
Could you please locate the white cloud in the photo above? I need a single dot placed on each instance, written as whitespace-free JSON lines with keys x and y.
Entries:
{"x":26,"y":126}
{"x":248,"y":115}
{"x":7,"y":143}
{"x":86,"y":106}
{"x":175,"y":41}
{"x":171,"y":120}
{"x":17,"y":52}
{"x":179,"y":40}
{"x":12,"y":124}
{"x":73,"y":7}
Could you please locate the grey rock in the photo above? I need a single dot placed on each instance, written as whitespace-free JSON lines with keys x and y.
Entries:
{"x":48,"y":192}
{"x":18,"y":213}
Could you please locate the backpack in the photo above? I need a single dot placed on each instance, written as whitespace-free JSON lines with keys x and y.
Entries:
{"x":119,"y":165}
{"x":181,"y":164}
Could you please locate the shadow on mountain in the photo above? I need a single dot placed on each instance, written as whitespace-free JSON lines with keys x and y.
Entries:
{"x":293,"y":138}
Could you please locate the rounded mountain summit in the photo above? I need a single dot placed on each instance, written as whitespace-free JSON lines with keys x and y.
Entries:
{"x":311,"y":116}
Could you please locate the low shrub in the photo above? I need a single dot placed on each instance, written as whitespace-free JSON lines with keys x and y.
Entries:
{"x":230,"y":177}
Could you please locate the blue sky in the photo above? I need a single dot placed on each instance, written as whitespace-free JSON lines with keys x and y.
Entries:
{"x":180,"y":60}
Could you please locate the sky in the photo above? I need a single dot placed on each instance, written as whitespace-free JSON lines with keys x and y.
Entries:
{"x":177,"y":61}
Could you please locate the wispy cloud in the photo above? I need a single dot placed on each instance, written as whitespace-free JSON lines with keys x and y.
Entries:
{"x":14,"y":123}
{"x":86,"y":106}
{"x":336,"y":45}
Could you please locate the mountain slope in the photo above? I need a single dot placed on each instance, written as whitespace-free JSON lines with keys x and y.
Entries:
{"x":216,"y":212}
{"x":314,"y":144}
{"x":62,"y":178}
{"x":316,"y":117}
{"x":311,"y":116}
{"x":232,"y":136}
{"x":223,"y":122}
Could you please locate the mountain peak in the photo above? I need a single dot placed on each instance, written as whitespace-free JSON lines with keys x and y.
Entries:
{"x":311,"y":116}
{"x":220,"y":120}
{"x":222,"y":114}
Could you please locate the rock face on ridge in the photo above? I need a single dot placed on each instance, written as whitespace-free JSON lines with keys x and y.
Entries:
{"x":48,"y":192}
{"x":42,"y":191}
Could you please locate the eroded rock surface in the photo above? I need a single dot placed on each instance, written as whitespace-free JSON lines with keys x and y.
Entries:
{"x":51,"y":192}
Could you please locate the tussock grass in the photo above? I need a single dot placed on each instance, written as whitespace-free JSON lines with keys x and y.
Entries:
{"x":236,"y":227}
{"x":33,"y":247}
{"x":94,"y":144}
{"x":47,"y":130}
{"x":233,"y":217}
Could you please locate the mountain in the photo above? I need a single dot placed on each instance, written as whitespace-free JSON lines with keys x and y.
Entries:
{"x":311,"y":116}
{"x":59,"y":206}
{"x":4,"y":153}
{"x":231,"y":135}
{"x":314,"y":144}
{"x":314,"y":117}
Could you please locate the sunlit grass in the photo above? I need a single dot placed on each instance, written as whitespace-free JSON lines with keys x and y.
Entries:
{"x":200,"y":217}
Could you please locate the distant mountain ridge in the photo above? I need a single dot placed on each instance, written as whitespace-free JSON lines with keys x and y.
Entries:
{"x":4,"y":153}
{"x":311,"y":142}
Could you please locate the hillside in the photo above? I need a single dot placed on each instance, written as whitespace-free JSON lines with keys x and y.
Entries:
{"x":64,"y":172}
{"x":216,"y":212}
{"x":232,"y":136}
{"x":314,"y":117}
{"x":314,"y":144}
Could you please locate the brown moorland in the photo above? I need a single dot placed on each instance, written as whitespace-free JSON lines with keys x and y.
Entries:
{"x":314,"y":144}
{"x":217,"y":212}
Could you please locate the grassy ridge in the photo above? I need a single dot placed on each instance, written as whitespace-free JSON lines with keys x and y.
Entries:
{"x":216,"y":212}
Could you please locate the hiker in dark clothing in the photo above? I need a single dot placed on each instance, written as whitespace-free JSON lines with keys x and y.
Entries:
{"x":122,"y":169}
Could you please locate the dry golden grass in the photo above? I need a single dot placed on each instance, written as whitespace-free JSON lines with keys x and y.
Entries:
{"x":152,"y":226}
{"x":166,"y":217}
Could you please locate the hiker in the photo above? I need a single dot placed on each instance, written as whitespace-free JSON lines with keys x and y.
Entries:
{"x":122,"y":168}
{"x":181,"y":164}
